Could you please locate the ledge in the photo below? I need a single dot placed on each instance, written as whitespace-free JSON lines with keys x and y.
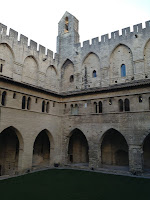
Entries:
{"x":96,"y":90}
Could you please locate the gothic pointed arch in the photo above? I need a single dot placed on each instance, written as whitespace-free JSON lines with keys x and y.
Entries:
{"x":121,"y":64}
{"x":11,"y":148}
{"x":43,"y":148}
{"x":114,"y":149}
{"x":67,"y":76}
{"x":147,"y":58}
{"x":91,"y":70}
{"x":7,"y":59}
{"x":30,"y":70}
{"x":78,"y":148}
{"x":146,"y":152}
{"x":51,"y":78}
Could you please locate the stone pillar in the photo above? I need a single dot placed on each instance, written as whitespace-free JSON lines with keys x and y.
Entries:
{"x":135,"y":159}
{"x":25,"y":160}
{"x":93,"y":155}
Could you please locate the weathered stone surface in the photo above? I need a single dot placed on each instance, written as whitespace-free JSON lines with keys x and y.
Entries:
{"x":78,"y":107}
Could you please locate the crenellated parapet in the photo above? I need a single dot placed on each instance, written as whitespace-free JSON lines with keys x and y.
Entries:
{"x":95,"y":63}
{"x":26,"y":61}
{"x":13,"y":36}
{"x":115,"y":37}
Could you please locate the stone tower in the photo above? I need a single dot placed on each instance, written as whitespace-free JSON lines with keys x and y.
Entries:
{"x":67,"y":35}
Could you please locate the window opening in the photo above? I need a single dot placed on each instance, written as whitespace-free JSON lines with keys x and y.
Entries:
{"x":53,"y":104}
{"x":110,"y":102}
{"x":120,"y":105}
{"x":140,"y":99}
{"x":14,"y":95}
{"x":36,"y":100}
{"x":100,"y":107}
{"x":23,"y":102}
{"x":95,"y":107}
{"x":127,"y":104}
{"x":29,"y":103}
{"x":71,"y":78}
{"x":1,"y":68}
{"x":66,"y":24}
{"x":43,"y":106}
{"x":123,"y":70}
{"x":3,"y":101}
{"x":94,"y":74}
{"x":47,"y":107}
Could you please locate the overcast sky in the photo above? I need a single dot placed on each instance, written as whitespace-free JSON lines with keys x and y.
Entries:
{"x":38,"y":20}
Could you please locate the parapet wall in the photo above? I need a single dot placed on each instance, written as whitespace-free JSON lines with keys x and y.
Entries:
{"x":42,"y":63}
{"x":13,"y":35}
{"x":39,"y":66}
{"x":126,"y":35}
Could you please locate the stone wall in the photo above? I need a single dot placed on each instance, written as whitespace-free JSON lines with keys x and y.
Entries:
{"x":77,"y":91}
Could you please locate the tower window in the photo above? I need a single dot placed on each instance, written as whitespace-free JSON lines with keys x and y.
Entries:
{"x":123,"y":70}
{"x":94,"y":74}
{"x":66,"y":25}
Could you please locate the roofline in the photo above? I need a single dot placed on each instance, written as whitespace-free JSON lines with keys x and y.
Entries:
{"x":83,"y":92}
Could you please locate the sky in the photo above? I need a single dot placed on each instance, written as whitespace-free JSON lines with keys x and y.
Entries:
{"x":38,"y":20}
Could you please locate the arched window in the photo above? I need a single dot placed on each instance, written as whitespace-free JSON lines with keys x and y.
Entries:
{"x":120,"y":102}
{"x":100,"y":107}
{"x":66,"y":24}
{"x":71,"y":108}
{"x":127,"y":105}
{"x":1,"y":67}
{"x":140,"y":99}
{"x":43,"y":106}
{"x":23,"y":102}
{"x":71,"y":78}
{"x":47,"y":107}
{"x":29,"y":103}
{"x":14,"y":95}
{"x":76,"y":108}
{"x":95,"y":107}
{"x":94,"y":74}
{"x":3,"y":101}
{"x":123,"y":70}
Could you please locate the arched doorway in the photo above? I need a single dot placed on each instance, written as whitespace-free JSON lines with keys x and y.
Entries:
{"x":146,"y":153}
{"x":9,"y":151}
{"x":78,"y":148}
{"x":41,"y":150}
{"x":114,"y":149}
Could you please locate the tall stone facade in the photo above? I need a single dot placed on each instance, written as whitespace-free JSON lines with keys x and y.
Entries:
{"x":86,"y":105}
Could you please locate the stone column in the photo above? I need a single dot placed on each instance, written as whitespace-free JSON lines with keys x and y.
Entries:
{"x":93,"y":155}
{"x":135,"y":159}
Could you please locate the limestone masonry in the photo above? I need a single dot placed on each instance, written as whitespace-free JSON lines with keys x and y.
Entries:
{"x":88,"y":105}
